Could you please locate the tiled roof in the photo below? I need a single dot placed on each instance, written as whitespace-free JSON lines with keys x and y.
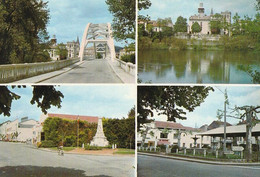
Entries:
{"x":236,"y":129}
{"x":216,"y":124}
{"x":90,"y":119}
{"x":160,"y":124}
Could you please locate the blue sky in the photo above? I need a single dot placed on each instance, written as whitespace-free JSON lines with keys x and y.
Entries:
{"x":186,"y":8}
{"x":95,"y":100}
{"x":206,"y":113}
{"x":69,"y":18}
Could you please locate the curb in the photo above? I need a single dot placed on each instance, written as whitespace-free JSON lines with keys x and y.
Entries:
{"x":115,"y":71}
{"x":76,"y":65}
{"x":54,"y":75}
{"x":199,"y":161}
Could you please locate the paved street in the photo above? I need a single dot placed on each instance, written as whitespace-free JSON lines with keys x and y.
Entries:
{"x":93,"y":71}
{"x":149,"y":166}
{"x":22,"y":160}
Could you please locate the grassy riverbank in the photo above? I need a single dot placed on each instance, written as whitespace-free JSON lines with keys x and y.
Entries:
{"x":236,"y":43}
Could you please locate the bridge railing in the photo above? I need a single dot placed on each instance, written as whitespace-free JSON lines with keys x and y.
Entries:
{"x":13,"y":72}
{"x":126,"y":66}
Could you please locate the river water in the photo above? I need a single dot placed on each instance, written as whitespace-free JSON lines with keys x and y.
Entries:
{"x":189,"y":66}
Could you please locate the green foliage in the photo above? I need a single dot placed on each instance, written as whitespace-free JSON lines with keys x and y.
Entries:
{"x":99,"y":56}
{"x":239,"y":42}
{"x":45,"y":97}
{"x":65,"y":131}
{"x":22,"y":30}
{"x":6,"y":99}
{"x":216,"y":24}
{"x":144,"y":4}
{"x":169,"y":101}
{"x":120,"y":132}
{"x":88,"y":147}
{"x":124,"y":151}
{"x":180,"y":24}
{"x":62,"y":51}
{"x":124,"y":18}
{"x":131,"y":113}
{"x":251,"y":72}
{"x":129,"y":58}
{"x":48,"y":144}
{"x":196,"y":28}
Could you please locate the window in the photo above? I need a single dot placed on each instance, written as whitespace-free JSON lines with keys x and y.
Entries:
{"x":190,"y":145}
{"x":183,"y":145}
{"x":164,"y":135}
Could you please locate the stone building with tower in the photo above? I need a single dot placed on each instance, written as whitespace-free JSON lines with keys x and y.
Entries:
{"x":204,"y":20}
{"x":73,"y":48}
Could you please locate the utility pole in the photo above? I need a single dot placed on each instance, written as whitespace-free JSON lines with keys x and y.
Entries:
{"x":225,"y":122}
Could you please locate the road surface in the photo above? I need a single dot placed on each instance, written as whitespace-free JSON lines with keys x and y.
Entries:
{"x":22,"y":160}
{"x":148,"y":166}
{"x":93,"y":71}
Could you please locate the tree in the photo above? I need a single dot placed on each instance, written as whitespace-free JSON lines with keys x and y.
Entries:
{"x":249,"y":112}
{"x":236,"y":28}
{"x":196,"y":28}
{"x":124,"y":16}
{"x":43,"y":96}
{"x":22,"y":30}
{"x":131,"y":113}
{"x":257,"y":5}
{"x":168,"y":100}
{"x":181,"y":24}
{"x":62,"y":51}
{"x":216,"y":24}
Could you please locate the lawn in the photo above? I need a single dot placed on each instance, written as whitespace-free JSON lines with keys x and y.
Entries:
{"x":124,"y":151}
{"x":64,"y":148}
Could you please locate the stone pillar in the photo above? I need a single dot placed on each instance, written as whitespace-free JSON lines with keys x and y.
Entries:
{"x":205,"y":152}
{"x":216,"y":153}
{"x":194,"y":151}
{"x":185,"y":151}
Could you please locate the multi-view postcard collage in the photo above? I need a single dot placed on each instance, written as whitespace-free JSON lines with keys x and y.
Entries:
{"x":130,"y":88}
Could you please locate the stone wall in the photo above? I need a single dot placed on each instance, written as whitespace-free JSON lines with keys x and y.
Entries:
{"x":127,"y":67}
{"x":13,"y":72}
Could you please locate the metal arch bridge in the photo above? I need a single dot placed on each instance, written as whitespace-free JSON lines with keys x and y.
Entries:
{"x":100,"y":35}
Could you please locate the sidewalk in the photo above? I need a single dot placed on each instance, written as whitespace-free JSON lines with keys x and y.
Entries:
{"x":125,"y":77}
{"x":43,"y":77}
{"x":198,"y":160}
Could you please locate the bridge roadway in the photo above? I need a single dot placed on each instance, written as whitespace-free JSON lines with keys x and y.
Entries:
{"x":93,"y":71}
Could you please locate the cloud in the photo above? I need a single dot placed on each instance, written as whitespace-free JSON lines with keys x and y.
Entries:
{"x":93,"y":100}
{"x":207,"y":111}
{"x":186,"y":8}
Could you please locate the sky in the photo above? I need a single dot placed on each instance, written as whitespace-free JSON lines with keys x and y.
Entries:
{"x":95,"y":100}
{"x":187,"y":8}
{"x":207,"y":111}
{"x":68,"y":18}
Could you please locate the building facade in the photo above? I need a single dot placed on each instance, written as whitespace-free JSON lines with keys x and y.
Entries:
{"x":170,"y":133}
{"x":73,"y":48}
{"x":204,"y":20}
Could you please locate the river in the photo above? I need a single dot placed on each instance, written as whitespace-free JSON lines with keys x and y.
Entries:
{"x":189,"y":66}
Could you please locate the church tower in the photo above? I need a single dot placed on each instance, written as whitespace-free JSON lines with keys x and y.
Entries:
{"x":201,"y":10}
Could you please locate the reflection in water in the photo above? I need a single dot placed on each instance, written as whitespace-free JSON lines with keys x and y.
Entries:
{"x":164,"y":66}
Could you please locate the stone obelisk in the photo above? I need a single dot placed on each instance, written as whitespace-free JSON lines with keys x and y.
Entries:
{"x":99,"y":139}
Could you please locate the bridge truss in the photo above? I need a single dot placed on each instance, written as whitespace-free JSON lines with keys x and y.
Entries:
{"x":97,"y":38}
